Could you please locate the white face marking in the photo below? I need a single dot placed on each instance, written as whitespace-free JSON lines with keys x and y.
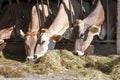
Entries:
{"x":80,"y":53}
{"x":81,"y":27}
{"x":42,"y":48}
{"x":30,"y":57}
{"x":30,"y":44}
{"x":1,"y":41}
{"x":45,"y":37}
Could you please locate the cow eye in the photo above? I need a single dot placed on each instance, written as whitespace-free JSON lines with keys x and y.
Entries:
{"x":42,"y":42}
{"x":81,"y":35}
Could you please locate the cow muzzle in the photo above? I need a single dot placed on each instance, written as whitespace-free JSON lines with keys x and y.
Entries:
{"x":78,"y":53}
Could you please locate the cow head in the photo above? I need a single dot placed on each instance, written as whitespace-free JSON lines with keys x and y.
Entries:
{"x":85,"y":36}
{"x":30,"y":43}
{"x":37,"y":45}
{"x":46,"y":41}
{"x":31,"y":36}
{"x":78,"y":33}
{"x":81,"y":26}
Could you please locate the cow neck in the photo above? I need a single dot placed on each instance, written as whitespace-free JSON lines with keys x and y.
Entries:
{"x":92,"y":18}
{"x":56,"y":28}
{"x":58,"y":25}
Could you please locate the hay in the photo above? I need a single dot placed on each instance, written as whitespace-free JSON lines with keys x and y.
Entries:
{"x":8,"y":71}
{"x":55,"y":61}
{"x":97,"y":62}
{"x":115,"y":68}
{"x":1,"y":54}
{"x":92,"y":74}
{"x":58,"y":61}
{"x":61,"y":61}
{"x":116,"y":72}
{"x":70,"y":61}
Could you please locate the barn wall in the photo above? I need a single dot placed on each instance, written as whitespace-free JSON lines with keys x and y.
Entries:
{"x":118,"y":28}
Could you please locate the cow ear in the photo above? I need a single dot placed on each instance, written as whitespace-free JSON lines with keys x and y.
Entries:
{"x":77,"y":21}
{"x":71,"y":30}
{"x":22,"y":34}
{"x":94,"y":29}
{"x":44,"y":30}
{"x":57,"y":38}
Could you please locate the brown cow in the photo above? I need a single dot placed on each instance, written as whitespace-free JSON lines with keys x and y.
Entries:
{"x":88,"y":28}
{"x":13,"y":18}
{"x":33,"y":30}
{"x":5,"y":34}
{"x":31,"y":36}
{"x":48,"y":37}
{"x":61,"y":23}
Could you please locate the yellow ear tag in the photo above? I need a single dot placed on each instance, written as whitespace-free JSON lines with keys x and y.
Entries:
{"x":94,"y":29}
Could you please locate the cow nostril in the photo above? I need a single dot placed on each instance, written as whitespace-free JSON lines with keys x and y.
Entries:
{"x":37,"y":60}
{"x":35,"y":57}
{"x":27,"y":59}
{"x":75,"y":53}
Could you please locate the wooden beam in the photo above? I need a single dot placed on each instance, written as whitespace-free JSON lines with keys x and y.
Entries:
{"x":105,"y":41}
{"x":118,"y":27}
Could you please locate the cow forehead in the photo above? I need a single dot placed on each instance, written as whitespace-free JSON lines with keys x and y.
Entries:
{"x":44,"y":36}
{"x":30,"y":34}
{"x":81,"y":24}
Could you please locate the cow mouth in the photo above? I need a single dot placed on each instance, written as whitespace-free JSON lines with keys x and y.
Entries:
{"x":78,"y":53}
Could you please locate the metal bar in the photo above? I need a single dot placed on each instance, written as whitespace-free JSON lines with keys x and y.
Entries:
{"x":81,"y":9}
{"x":71,"y":14}
{"x":19,"y":11}
{"x":12,"y":13}
{"x":49,"y":10}
{"x":43,"y":11}
{"x":118,"y":27}
{"x":58,"y":4}
{"x":68,"y":42}
{"x":107,"y":19}
{"x":38,"y":12}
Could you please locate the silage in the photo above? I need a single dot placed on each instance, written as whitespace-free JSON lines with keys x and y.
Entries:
{"x":8,"y":72}
{"x":92,"y":74}
{"x":70,"y":61}
{"x":115,"y":68}
{"x":85,"y":67}
{"x":51,"y":62}
{"x":58,"y":61}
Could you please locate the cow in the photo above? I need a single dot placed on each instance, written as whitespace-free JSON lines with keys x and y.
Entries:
{"x":46,"y":38}
{"x":37,"y":20}
{"x":5,"y":34}
{"x":31,"y":36}
{"x":12,"y":19}
{"x":88,"y":28}
{"x":23,"y":17}
{"x":59,"y":26}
